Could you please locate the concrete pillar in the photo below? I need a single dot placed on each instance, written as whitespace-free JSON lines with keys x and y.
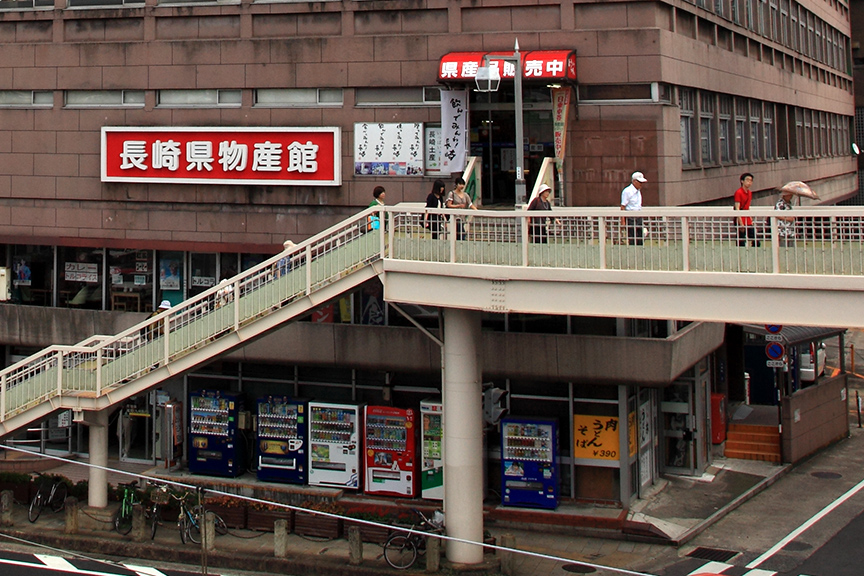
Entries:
{"x":508,"y":559}
{"x":355,"y":546}
{"x":71,"y":526}
{"x":6,"y":502}
{"x":97,"y":487}
{"x":463,"y":435}
{"x":433,"y":554}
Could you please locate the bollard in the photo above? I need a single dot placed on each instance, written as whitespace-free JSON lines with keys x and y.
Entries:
{"x":433,"y":554}
{"x":858,"y":405}
{"x":71,"y":516}
{"x":280,"y":538}
{"x":508,"y":559}
{"x":208,"y":538}
{"x":355,"y":546}
{"x":6,"y":501}
{"x":139,"y":524}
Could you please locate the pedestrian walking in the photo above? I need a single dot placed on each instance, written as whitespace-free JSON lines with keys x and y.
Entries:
{"x":743,"y":197}
{"x":631,"y":201}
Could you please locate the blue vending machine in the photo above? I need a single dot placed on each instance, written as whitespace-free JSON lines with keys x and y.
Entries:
{"x":216,"y":446}
{"x":282,"y":443}
{"x":529,"y":470}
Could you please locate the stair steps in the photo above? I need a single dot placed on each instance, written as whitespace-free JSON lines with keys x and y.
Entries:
{"x":749,"y":442}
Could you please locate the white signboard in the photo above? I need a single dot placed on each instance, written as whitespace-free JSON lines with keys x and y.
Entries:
{"x":81,"y":272}
{"x":388,"y":149}
{"x":454,"y":127}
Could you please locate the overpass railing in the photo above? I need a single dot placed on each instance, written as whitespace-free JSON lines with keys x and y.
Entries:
{"x":817,"y":241}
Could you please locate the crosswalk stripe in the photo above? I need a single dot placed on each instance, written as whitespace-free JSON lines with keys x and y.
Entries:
{"x":717,"y":567}
{"x":144,"y":570}
{"x":760,"y":572}
{"x":56,"y":562}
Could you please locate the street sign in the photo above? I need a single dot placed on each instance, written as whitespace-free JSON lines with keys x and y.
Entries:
{"x":775,"y":351}
{"x":774,"y":328}
{"x":775,"y":363}
{"x":773,"y":338}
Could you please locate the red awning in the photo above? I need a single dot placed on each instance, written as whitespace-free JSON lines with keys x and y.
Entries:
{"x":536,"y":65}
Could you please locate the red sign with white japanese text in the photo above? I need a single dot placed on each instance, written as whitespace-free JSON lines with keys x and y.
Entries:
{"x":265,"y":156}
{"x":536,"y":65}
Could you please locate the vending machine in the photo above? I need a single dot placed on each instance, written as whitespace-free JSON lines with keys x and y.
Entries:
{"x":432,"y":462}
{"x":334,"y":445}
{"x":216,"y":445}
{"x":282,"y":445}
{"x":529,"y":472}
{"x":390,"y":451}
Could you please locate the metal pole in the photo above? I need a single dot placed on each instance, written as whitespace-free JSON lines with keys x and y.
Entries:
{"x":520,"y":147}
{"x":858,"y":406}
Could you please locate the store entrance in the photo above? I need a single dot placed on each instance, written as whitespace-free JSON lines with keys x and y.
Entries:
{"x":493,"y":138}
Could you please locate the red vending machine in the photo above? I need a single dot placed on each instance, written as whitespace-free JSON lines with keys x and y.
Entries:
{"x":718,"y":418}
{"x":390,"y":451}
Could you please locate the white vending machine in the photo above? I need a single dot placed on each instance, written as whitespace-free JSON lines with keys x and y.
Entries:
{"x":432,"y":457}
{"x":334,"y":445}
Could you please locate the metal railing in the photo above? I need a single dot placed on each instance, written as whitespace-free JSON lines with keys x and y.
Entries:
{"x":820,"y":241}
{"x":100,"y":364}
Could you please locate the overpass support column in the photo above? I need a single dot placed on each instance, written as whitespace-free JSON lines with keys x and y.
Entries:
{"x":463,"y":435}
{"x":97,"y":485}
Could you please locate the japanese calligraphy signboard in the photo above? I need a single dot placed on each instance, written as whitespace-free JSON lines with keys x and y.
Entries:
{"x":217,"y":155}
{"x":560,"y":109}
{"x":595,"y":437}
{"x":388,"y":149}
{"x":536,"y":65}
{"x":454,"y":130}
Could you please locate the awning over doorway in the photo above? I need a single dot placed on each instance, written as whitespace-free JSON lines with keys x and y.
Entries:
{"x":557,"y":65}
{"x":793,"y":335}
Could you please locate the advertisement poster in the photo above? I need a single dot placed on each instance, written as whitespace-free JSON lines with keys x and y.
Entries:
{"x":169,"y":274}
{"x":22,"y":273}
{"x":595,"y":437}
{"x":454,"y":130}
{"x":433,"y":150}
{"x":388,"y":149}
{"x":560,"y":111}
{"x":81,"y":272}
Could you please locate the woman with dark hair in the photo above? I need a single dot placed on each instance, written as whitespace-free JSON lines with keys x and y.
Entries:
{"x":435,"y":199}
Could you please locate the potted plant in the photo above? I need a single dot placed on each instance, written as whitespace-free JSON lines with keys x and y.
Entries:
{"x":368,"y":532}
{"x":231,"y":510}
{"x":261,"y":516}
{"x":19,"y":484}
{"x":310,"y":524}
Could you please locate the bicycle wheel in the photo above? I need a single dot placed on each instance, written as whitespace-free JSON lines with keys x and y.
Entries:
{"x":400,"y":552}
{"x":155,"y":520}
{"x":123,"y":519}
{"x":193,"y":530}
{"x":58,"y":498}
{"x":183,"y":526}
{"x":221,"y":527}
{"x":35,"y":506}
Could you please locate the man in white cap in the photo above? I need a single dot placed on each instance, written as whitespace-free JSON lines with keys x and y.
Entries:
{"x":631,"y":201}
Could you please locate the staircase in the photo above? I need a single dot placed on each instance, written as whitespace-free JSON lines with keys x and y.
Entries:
{"x":104,"y":370}
{"x":751,"y":442}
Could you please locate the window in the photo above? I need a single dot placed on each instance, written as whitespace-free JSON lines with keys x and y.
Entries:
{"x":725,"y":128}
{"x":768,"y":134}
{"x":755,"y":132}
{"x":105,"y":98}
{"x":198,"y":98}
{"x":685,"y":104}
{"x":800,"y":146}
{"x":26,"y":99}
{"x":735,"y":9}
{"x":428,"y":96}
{"x":25,"y":4}
{"x":741,"y":130}
{"x":808,"y":134}
{"x":706,"y":127}
{"x":103,"y":3}
{"x":298,"y":97}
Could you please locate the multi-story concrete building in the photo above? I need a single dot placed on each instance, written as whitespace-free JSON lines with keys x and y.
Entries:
{"x":99,"y":227}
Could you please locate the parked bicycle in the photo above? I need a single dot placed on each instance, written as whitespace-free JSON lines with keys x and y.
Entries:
{"x":191,"y":521}
{"x":402,"y":548}
{"x":52,"y":492}
{"x":130,"y":498}
{"x":158,"y":497}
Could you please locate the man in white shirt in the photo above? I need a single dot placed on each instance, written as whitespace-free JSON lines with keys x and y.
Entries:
{"x":631,"y":201}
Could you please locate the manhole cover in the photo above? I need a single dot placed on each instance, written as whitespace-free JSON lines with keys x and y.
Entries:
{"x":578,"y":568}
{"x":714,"y":554}
{"x":826,"y":475}
{"x":797,"y":546}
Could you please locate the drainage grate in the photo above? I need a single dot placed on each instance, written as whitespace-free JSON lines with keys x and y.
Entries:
{"x":578,"y":568}
{"x":826,"y":475}
{"x":714,"y":554}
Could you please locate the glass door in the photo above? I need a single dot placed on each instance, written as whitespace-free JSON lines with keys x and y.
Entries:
{"x":679,"y":424}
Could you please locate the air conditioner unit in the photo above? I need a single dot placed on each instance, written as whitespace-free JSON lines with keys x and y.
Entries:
{"x":5,"y":284}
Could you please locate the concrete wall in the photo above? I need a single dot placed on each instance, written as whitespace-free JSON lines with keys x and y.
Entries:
{"x":814,"y":417}
{"x":555,"y":357}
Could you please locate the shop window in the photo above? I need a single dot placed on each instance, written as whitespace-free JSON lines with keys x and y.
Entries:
{"x":297,"y":97}
{"x":131,"y":280}
{"x":202,"y":273}
{"x":198,"y":98}
{"x":104,"y":98}
{"x":33,"y":275}
{"x":26,"y":98}
{"x":80,"y":283}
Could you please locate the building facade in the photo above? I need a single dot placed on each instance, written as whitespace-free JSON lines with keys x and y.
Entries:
{"x":691,"y":94}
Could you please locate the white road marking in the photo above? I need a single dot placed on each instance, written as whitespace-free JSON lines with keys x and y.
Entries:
{"x":144,"y":570}
{"x":717,"y":567}
{"x":56,"y":562}
{"x":806,"y":525}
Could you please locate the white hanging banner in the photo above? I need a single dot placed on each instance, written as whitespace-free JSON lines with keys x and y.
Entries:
{"x":454,"y":130}
{"x":560,"y":110}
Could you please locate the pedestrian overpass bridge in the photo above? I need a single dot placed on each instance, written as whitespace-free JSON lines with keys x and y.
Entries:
{"x":690,"y":267}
